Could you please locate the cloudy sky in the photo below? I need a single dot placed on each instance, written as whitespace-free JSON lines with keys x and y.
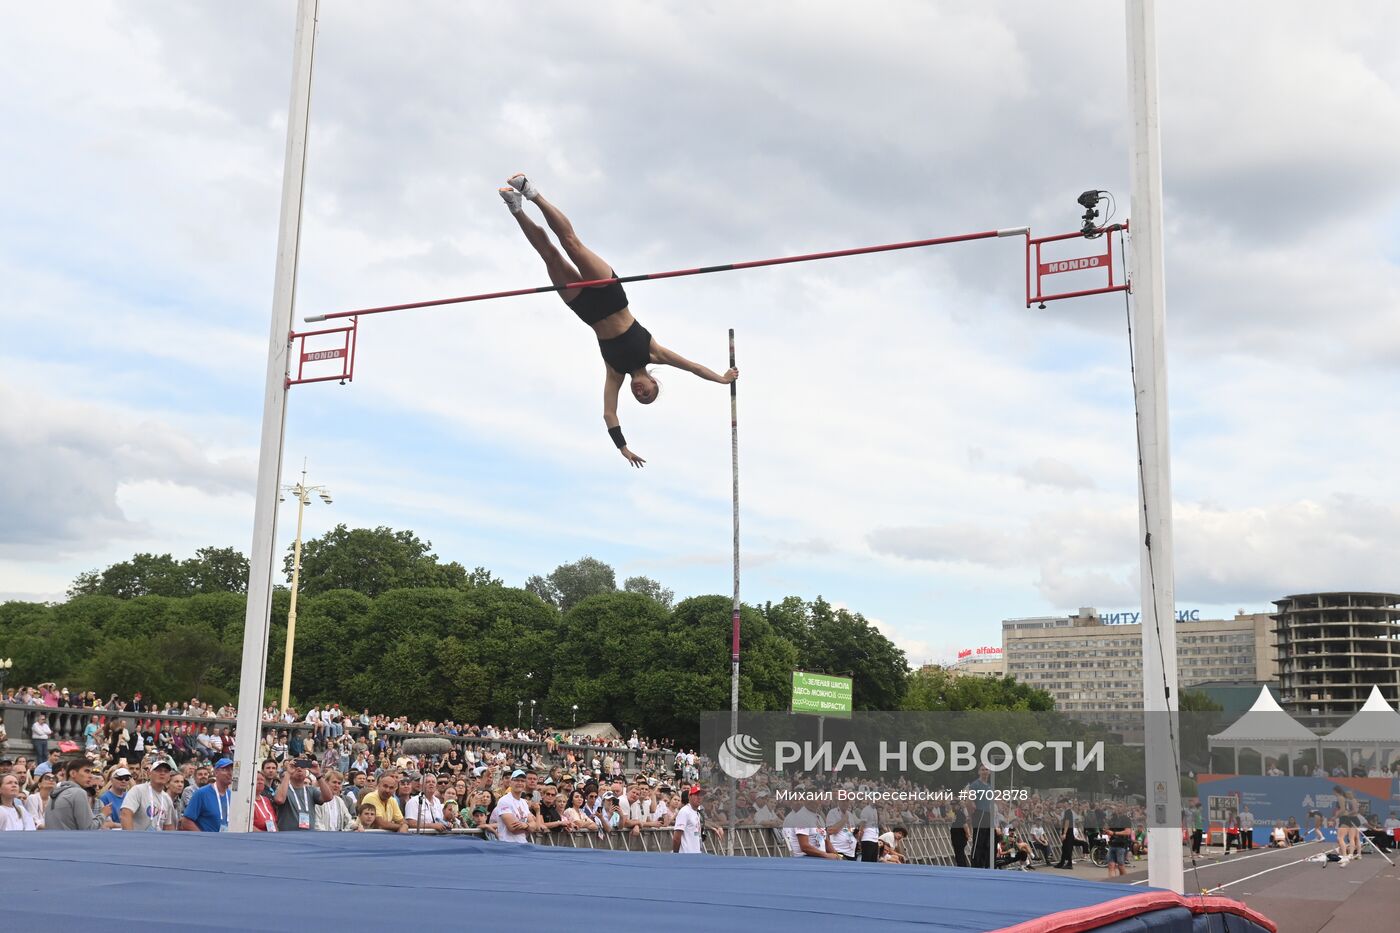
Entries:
{"x":915,"y":443}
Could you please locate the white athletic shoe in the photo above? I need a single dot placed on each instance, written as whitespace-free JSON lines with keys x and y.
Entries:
{"x":512,"y":199}
{"x":520,"y":183}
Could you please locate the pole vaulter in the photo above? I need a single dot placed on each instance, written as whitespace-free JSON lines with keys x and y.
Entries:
{"x":592,"y":289}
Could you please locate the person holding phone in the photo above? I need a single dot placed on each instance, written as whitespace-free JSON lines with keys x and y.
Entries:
{"x":297,"y":797}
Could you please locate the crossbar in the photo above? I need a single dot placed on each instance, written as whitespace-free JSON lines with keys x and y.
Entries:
{"x":677,"y":273}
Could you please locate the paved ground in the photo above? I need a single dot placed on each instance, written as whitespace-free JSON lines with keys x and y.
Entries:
{"x":1300,"y":896}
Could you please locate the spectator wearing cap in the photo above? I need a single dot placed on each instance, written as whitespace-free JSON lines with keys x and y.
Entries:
{"x":208,"y":808}
{"x":147,"y":807}
{"x":72,"y":805}
{"x":409,"y":783}
{"x":512,"y":813}
{"x":115,"y":794}
{"x":687,"y":837}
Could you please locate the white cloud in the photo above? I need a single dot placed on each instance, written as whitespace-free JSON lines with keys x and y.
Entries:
{"x":904,"y":422}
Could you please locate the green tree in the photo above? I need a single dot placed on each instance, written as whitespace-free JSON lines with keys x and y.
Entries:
{"x":646,"y":586}
{"x":692,"y":676}
{"x":194,"y":658}
{"x":480,"y":576}
{"x":837,"y":641}
{"x":217,"y":570}
{"x":939,"y":690}
{"x":570,"y":584}
{"x":607,"y":643}
{"x":1194,"y":701}
{"x":210,"y":570}
{"x":125,"y":665}
{"x":372,"y":561}
{"x":143,"y":575}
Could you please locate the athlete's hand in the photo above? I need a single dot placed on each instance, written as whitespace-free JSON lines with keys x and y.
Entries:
{"x":729,"y":377}
{"x":632,"y":458}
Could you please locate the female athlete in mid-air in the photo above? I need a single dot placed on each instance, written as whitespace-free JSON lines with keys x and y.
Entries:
{"x":626,"y":345}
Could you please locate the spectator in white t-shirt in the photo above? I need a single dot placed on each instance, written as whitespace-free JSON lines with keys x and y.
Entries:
{"x":890,"y":842}
{"x":13,"y":814}
{"x":147,"y":807}
{"x":430,"y":804}
{"x":512,"y":813}
{"x":686,"y":838}
{"x":839,"y":832}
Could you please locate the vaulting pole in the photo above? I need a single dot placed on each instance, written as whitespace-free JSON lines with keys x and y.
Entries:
{"x":734,"y":648}
{"x":252,"y":678}
{"x":677,"y":273}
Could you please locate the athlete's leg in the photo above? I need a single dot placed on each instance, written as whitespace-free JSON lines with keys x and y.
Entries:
{"x":588,"y":262}
{"x":561,"y":271}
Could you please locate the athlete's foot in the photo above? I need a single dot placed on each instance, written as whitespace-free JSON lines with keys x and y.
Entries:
{"x":520,"y":183}
{"x":512,"y":199}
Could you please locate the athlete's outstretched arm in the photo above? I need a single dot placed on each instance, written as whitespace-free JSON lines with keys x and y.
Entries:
{"x":612,"y":385}
{"x":660,"y":354}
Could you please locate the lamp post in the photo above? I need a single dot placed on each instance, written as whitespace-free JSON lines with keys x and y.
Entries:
{"x":532,"y":714}
{"x":575,"y":715}
{"x":303,"y":493}
{"x":5,"y":665}
{"x":519,"y":705}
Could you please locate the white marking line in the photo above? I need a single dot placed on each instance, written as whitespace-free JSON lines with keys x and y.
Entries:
{"x":1222,"y":887}
{"x":1234,"y":861}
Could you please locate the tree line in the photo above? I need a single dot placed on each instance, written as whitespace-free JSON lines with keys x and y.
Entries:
{"x":383,"y":623}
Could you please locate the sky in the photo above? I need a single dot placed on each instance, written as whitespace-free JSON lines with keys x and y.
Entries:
{"x":915,"y":444}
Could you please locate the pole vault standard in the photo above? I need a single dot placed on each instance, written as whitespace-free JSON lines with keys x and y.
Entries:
{"x":257,"y":619}
{"x":734,"y":659}
{"x":678,"y":273}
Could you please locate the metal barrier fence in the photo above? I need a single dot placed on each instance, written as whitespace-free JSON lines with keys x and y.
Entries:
{"x":926,"y":844}
{"x":68,"y":724}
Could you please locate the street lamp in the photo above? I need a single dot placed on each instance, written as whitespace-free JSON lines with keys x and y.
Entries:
{"x":575,"y":715}
{"x":519,"y":705}
{"x":5,"y":665}
{"x":532,"y":714}
{"x":303,"y":493}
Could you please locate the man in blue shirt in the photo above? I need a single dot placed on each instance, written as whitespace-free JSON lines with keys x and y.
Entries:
{"x":207,"y":811}
{"x":121,"y":783}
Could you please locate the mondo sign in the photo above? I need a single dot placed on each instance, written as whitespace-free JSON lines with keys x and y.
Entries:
{"x":821,"y":694}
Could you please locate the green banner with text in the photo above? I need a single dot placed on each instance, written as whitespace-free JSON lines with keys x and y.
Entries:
{"x":821,"y":694}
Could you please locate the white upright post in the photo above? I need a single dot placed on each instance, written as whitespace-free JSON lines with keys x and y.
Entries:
{"x":734,"y":654}
{"x":256,"y":624}
{"x":1159,"y":688}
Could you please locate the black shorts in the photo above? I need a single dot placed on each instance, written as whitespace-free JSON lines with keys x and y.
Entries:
{"x":629,"y":351}
{"x":594,"y":304}
{"x":1348,"y":820}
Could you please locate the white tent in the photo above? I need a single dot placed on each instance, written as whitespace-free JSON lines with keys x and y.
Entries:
{"x":1374,"y":730}
{"x":1265,"y":727}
